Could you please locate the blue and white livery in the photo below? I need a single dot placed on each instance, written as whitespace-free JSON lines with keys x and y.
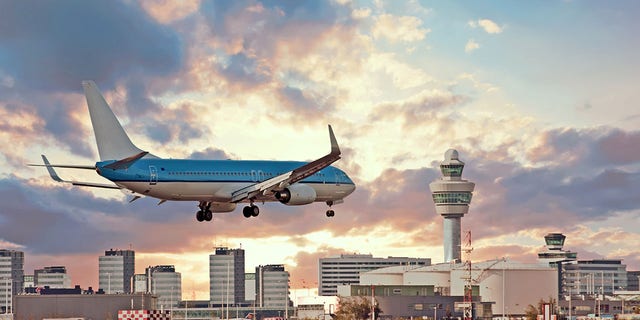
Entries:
{"x":217,"y":185}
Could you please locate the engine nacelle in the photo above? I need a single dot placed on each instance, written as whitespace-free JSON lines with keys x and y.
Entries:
{"x":222,"y":207}
{"x":296,"y":194}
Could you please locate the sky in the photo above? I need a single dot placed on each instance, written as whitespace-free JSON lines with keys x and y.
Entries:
{"x":539,"y":99}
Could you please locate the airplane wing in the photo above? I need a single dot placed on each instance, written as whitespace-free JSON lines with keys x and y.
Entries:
{"x":282,"y":181}
{"x":54,"y":175}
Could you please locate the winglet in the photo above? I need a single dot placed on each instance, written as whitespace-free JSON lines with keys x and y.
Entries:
{"x":335,"y":150}
{"x":52,"y":172}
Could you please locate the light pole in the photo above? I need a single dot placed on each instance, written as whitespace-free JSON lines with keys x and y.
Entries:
{"x":570,"y":298}
{"x":504,"y":260}
{"x":7,"y":293}
{"x":435,"y":311}
{"x":227,"y":304}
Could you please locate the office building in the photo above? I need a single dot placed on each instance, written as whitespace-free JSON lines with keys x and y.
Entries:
{"x":599,"y":276}
{"x":115,"y":271}
{"x":166,"y":283}
{"x":346,"y":269}
{"x":52,"y":277}
{"x":28,"y":281}
{"x":452,"y":196}
{"x":250,"y":288}
{"x":633,"y":280}
{"x":272,"y":286}
{"x":226,"y":276}
{"x":11,"y":277}
{"x":140,"y":283}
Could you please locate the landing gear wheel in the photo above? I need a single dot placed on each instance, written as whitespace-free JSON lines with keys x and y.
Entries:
{"x":330,"y":213}
{"x":200,"y":216}
{"x":208,"y":215}
{"x":247,"y":212}
{"x":250,"y":211}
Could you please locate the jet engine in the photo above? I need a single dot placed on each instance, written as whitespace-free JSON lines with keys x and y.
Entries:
{"x":296,"y":194}
{"x":222,"y":207}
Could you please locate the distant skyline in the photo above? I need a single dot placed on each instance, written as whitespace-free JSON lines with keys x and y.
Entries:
{"x":540,"y":100}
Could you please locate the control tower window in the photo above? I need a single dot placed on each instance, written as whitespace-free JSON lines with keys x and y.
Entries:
{"x":452,"y":197}
{"x":453,"y":170}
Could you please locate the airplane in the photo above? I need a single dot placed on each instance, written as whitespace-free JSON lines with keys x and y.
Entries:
{"x":217,"y":185}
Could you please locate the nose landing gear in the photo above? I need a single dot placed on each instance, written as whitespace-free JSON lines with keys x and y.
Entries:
{"x":330,"y":213}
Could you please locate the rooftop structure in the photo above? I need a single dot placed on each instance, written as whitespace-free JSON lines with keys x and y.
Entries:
{"x":52,"y":277}
{"x":452,"y":196}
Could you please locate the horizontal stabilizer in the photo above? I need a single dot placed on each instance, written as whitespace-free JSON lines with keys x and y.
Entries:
{"x":54,"y":175}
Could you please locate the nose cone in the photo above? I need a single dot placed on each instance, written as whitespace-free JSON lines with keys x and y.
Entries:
{"x":351,"y":186}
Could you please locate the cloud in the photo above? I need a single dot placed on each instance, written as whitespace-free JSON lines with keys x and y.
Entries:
{"x":396,"y":28}
{"x":54,"y":46}
{"x":487,"y":25}
{"x":471,"y":45}
{"x":33,"y":122}
{"x":361,"y":13}
{"x":211,"y":154}
{"x":305,"y":271}
{"x":168,"y":11}
{"x":421,"y":108}
{"x":584,"y":148}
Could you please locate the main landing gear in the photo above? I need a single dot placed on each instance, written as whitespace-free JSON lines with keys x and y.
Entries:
{"x":330,"y":213}
{"x":250,"y":211}
{"x":204,"y":214}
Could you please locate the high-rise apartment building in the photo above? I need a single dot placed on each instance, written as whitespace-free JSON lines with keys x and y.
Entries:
{"x":11,"y":277}
{"x":115,"y":271}
{"x":272,"y":286}
{"x":346,"y":269}
{"x":166,"y":283}
{"x":226,"y":276}
{"x":52,"y":277}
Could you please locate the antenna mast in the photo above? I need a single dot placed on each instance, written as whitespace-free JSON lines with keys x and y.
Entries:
{"x":468,"y":284}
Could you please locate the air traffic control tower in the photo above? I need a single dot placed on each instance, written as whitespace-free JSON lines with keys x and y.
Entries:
{"x":452,"y":196}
